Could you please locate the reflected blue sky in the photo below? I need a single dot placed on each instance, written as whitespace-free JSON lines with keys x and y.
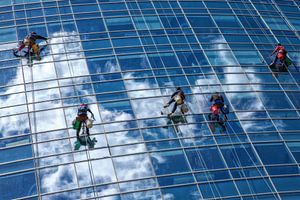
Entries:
{"x":125,"y":58}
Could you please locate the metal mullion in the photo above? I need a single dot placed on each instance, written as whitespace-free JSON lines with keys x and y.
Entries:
{"x":250,"y":141}
{"x":156,"y":82}
{"x":232,"y":107}
{"x":71,"y":71}
{"x":105,"y":136}
{"x":135,"y":143}
{"x":267,"y":24}
{"x":111,"y":132}
{"x":32,"y":130}
{"x":265,"y":107}
{"x":180,"y":140}
{"x":59,"y":86}
{"x":217,"y":145}
{"x":291,"y":102}
{"x":141,"y":78}
{"x":285,"y":18}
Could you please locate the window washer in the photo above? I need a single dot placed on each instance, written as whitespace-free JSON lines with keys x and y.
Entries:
{"x":177,"y":98}
{"x":30,"y":42}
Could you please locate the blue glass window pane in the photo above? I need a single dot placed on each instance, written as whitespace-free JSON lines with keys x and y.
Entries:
{"x":287,"y":183}
{"x":85,"y":8}
{"x":164,"y":162}
{"x":290,"y":196}
{"x":258,"y":125}
{"x":247,"y":172}
{"x":287,"y":125}
{"x":133,"y":167}
{"x":218,"y":189}
{"x":274,"y":100}
{"x":147,"y":22}
{"x":273,"y":153}
{"x":5,"y":2}
{"x":90,"y":25}
{"x":191,"y":59}
{"x":20,"y":185}
{"x":163,"y":60}
{"x":295,"y":98}
{"x":280,"y":170}
{"x":179,"y":193}
{"x":115,"y":24}
{"x":276,"y":23}
{"x":120,"y":106}
{"x":192,"y":4}
{"x":16,"y":153}
{"x":254,"y":186}
{"x":95,"y":44}
{"x":239,"y":155}
{"x":126,"y":42}
{"x":113,"y":6}
{"x":206,"y":158}
{"x":245,"y":101}
{"x":163,"y":145}
{"x":295,"y":149}
{"x":8,"y":34}
{"x":102,"y":65}
{"x":295,"y":23}
{"x":221,"y":57}
{"x":109,"y":86}
{"x":138,"y":185}
{"x":214,"y":175}
{"x":227,"y":21}
{"x":133,"y":62}
{"x":252,"y":22}
{"x":173,"y":22}
{"x":248,"y":57}
{"x":264,"y":136}
{"x":201,"y":21}
{"x":175,"y":180}
{"x":147,"y":195}
{"x":16,"y":166}
{"x":237,"y":38}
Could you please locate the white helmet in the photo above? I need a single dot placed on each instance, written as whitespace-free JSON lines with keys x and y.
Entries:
{"x":26,"y":42}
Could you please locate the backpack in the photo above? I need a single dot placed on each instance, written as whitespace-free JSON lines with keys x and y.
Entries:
{"x":288,"y":61}
{"x":225,"y":109}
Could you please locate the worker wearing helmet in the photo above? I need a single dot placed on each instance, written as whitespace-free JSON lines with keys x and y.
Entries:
{"x":82,"y":117}
{"x":30,"y":42}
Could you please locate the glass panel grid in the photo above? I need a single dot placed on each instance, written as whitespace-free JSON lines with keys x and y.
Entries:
{"x":125,"y":59}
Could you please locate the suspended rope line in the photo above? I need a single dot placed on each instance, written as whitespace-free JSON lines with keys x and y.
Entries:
{"x":294,"y":80}
{"x":207,"y":174}
{"x":268,"y":38}
{"x":83,"y":124}
{"x":66,"y":122}
{"x":237,"y":155}
{"x":33,"y":130}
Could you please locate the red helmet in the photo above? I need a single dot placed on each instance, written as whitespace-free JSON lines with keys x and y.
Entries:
{"x":84,"y":105}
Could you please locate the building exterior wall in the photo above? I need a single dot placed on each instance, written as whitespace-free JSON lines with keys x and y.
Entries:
{"x":125,"y":59}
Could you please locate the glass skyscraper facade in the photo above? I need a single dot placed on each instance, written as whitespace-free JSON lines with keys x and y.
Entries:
{"x":125,"y":58}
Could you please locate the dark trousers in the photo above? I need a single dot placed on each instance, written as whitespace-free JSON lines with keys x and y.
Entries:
{"x":78,"y":130}
{"x":282,"y":61}
{"x":175,"y":104}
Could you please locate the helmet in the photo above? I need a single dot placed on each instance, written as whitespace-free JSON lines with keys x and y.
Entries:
{"x":26,"y":42}
{"x":278,"y":44}
{"x":33,"y":32}
{"x":178,"y":88}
